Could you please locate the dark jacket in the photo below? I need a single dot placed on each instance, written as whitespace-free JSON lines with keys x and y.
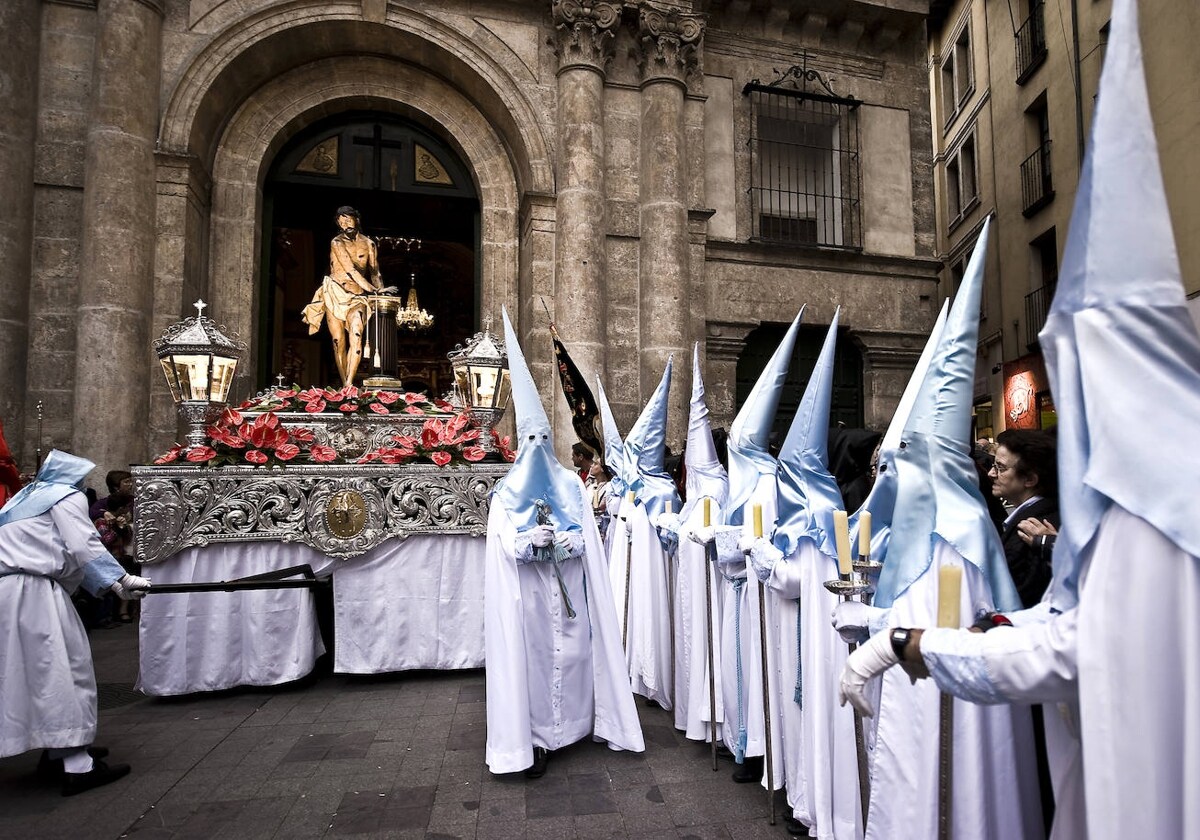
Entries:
{"x":1030,"y":570}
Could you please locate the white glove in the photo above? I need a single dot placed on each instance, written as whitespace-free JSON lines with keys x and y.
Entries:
{"x":866,"y":663}
{"x":542,"y":536}
{"x":131,"y":587}
{"x":746,"y":542}
{"x":703,"y":535}
{"x":667,"y":522}
{"x":853,"y":620}
{"x":763,"y":556}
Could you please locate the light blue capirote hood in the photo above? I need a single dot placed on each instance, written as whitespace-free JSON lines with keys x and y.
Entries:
{"x":1121,"y":352}
{"x":645,"y":448}
{"x":536,"y":473}
{"x":806,"y":494}
{"x":938,"y":492}
{"x":61,"y":475}
{"x":881,"y":501}
{"x":750,"y":433}
{"x":705,"y":475}
{"x":614,"y":449}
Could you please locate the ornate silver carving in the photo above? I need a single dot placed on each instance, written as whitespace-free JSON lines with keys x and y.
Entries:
{"x":353,"y":434}
{"x":586,"y":30}
{"x":183,"y":506}
{"x":670,"y":43}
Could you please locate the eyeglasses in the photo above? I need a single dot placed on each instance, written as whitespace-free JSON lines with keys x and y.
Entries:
{"x":998,"y":468}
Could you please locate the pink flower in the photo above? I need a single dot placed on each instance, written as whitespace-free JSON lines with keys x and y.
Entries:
{"x":474,"y":453}
{"x":412,"y":409}
{"x":302,"y":435}
{"x":286,"y":394}
{"x":379,"y":408}
{"x":410,"y":397}
{"x":287,"y":451}
{"x":387,"y":397}
{"x":231,"y":417}
{"x":256,"y":456}
{"x":170,"y":455}
{"x":310,"y":394}
{"x":323,"y":454}
{"x":315,"y":407}
{"x":348,"y":407}
{"x":406,"y":441}
{"x":443,"y":405}
{"x":200,"y":454}
{"x":334,"y":396}
{"x":440,"y":458}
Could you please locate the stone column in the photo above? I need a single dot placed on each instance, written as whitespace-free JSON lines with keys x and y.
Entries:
{"x":723,"y":346}
{"x":670,"y":42}
{"x":20,"y":20}
{"x":585,"y":34}
{"x":116,"y":277}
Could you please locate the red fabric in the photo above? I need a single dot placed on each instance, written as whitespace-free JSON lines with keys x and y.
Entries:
{"x":10,"y":476}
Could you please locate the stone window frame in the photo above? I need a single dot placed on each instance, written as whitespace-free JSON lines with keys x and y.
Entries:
{"x":956,"y":267}
{"x":957,"y":72}
{"x":959,"y":205}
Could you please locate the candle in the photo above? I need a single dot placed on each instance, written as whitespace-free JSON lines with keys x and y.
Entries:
{"x":841,"y":533}
{"x":864,"y":533}
{"x":629,"y":497}
{"x":758,"y":521}
{"x":670,"y":506}
{"x":949,"y":595}
{"x":707,"y":512}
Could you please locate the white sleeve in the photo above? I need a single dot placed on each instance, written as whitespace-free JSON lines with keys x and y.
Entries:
{"x":1035,"y":663}
{"x":76,"y":530}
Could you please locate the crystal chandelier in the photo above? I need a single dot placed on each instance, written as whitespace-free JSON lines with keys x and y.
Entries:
{"x":412,"y":316}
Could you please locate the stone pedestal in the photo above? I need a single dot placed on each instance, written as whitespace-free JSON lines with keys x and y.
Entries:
{"x":116,"y":294}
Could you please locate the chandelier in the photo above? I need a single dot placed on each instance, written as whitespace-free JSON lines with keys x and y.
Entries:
{"x":412,"y":316}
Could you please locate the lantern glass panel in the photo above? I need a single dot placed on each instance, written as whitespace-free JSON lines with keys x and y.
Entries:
{"x":484,"y":385}
{"x":169,"y":373}
{"x":505,"y":389}
{"x":192,"y":371}
{"x":463,"y":379}
{"x":222,"y":378}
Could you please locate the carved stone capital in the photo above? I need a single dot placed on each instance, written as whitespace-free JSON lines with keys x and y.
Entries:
{"x":670,"y":44}
{"x":585,"y":31}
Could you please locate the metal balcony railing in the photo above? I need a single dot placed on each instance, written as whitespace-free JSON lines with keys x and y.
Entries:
{"x":1037,"y":306}
{"x":1031,"y":43}
{"x":1037,"y":181}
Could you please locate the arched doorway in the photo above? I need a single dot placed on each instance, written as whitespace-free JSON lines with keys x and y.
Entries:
{"x":419,"y":204}
{"x":846,"y":405}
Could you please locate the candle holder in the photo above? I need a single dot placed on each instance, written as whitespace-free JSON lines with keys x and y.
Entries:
{"x":849,"y":588}
{"x":866,"y":566}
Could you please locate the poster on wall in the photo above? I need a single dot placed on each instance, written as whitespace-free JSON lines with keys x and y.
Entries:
{"x":1024,"y":384}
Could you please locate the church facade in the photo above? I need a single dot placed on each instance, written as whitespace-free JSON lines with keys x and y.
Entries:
{"x":646,"y":174}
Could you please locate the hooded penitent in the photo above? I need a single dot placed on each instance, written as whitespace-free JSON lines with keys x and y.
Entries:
{"x":645,"y":446}
{"x":705,"y":475}
{"x":882,"y":500}
{"x":536,"y":474}
{"x":1119,"y":335}
{"x":614,"y":448}
{"x":750,"y":433}
{"x":61,"y":475}
{"x":806,"y":494}
{"x":938,"y":492}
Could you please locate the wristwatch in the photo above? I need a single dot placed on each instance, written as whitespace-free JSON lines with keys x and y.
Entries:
{"x":900,"y":637}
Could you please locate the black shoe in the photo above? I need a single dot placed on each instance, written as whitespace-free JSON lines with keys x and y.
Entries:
{"x":750,"y":771}
{"x":795,"y":827}
{"x":541,"y":757}
{"x":100,"y":774}
{"x":51,"y":769}
{"x":724,"y":753}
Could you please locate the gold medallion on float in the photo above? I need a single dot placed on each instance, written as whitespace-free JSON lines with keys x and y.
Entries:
{"x":346,"y":513}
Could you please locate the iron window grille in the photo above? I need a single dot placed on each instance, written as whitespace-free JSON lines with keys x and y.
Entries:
{"x":1037,"y":181}
{"x":1031,"y":43}
{"x":805,"y":162}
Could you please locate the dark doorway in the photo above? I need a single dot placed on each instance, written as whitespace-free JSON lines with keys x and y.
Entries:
{"x":847,"y":402}
{"x":407,"y":185}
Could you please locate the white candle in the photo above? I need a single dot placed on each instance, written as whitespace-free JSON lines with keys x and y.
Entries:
{"x":949,"y":595}
{"x":758,"y":532}
{"x":841,"y":534}
{"x":864,"y":533}
{"x":707,"y":512}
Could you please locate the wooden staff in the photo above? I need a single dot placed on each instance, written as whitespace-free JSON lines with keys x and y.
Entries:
{"x":762,"y":638}
{"x":670,"y":508}
{"x":629,"y":496}
{"x":841,"y":530}
{"x":710,"y":557}
{"x":949,"y":595}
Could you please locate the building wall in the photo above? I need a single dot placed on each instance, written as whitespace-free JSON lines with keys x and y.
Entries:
{"x":998,"y":113}
{"x":609,"y":148}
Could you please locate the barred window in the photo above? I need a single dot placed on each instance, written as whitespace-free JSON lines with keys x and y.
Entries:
{"x":805,"y":165}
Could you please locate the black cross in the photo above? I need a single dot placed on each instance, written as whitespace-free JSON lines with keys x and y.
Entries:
{"x":378,"y":144}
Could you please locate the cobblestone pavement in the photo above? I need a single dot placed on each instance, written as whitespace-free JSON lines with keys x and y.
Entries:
{"x":398,"y":755}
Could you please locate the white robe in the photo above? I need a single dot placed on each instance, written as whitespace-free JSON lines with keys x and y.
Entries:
{"x":551,"y":680}
{"x":47,"y":683}
{"x":995,"y":786}
{"x":693,"y":711}
{"x":648,"y":641}
{"x":821,"y":760}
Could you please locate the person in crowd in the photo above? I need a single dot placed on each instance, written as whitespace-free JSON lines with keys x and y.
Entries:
{"x":555,"y":669}
{"x":10,"y":474}
{"x":48,"y":547}
{"x":582,"y":458}
{"x":1024,"y":475}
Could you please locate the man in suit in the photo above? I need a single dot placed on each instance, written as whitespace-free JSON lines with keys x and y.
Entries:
{"x":1025,"y":475}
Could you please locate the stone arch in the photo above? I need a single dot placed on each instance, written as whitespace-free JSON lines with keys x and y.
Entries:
{"x":249,"y":52}
{"x":287,"y":104}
